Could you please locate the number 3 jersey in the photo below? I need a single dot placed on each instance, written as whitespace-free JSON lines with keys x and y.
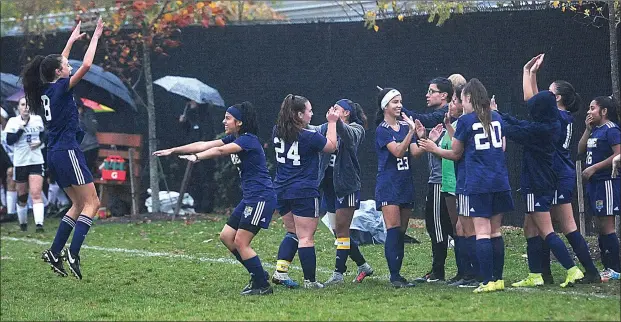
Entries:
{"x":61,"y":115}
{"x":394,"y":184}
{"x":297,"y":165}
{"x":483,"y":157}
{"x":23,"y":155}
{"x":599,"y":148}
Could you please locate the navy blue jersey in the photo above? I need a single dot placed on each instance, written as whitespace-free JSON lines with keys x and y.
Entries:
{"x":297,"y":165}
{"x":599,"y":148}
{"x":484,"y":157}
{"x":394,"y":175}
{"x":562,"y":163}
{"x":250,"y":162}
{"x":61,"y":114}
{"x":460,"y":176}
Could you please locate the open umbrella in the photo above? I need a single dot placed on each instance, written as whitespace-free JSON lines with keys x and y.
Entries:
{"x":17,"y":96}
{"x":107,"y":81}
{"x":9,"y":84}
{"x":191,"y":88}
{"x":97,"y":107}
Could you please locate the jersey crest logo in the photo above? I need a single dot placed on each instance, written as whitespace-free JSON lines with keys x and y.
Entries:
{"x":340,"y":199}
{"x":592,"y":143}
{"x":599,"y":204}
{"x":247,"y":211}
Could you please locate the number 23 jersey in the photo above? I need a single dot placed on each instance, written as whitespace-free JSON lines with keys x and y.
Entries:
{"x":484,"y":158}
{"x":297,"y":165}
{"x":394,"y":183}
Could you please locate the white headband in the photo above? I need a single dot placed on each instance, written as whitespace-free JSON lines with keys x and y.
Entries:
{"x":388,"y":97}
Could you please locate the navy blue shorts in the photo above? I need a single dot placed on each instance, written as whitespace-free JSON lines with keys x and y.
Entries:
{"x":604,"y":197}
{"x":21,"y":174}
{"x":405,"y":205}
{"x":331,"y":203}
{"x":539,"y":201}
{"x":485,"y":205}
{"x":302,"y":207}
{"x":565,"y":192}
{"x":252,"y":216}
{"x":69,"y":168}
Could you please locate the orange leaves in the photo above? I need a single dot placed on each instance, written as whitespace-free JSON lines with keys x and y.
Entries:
{"x":139,"y":5}
{"x":168,"y":17}
{"x":220,"y":21}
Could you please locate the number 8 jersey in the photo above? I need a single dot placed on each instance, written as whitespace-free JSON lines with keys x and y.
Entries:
{"x":394,"y":184}
{"x":61,"y":115}
{"x":297,"y":165}
{"x":484,"y":158}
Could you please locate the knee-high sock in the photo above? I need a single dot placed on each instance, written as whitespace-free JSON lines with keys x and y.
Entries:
{"x":391,"y":252}
{"x":581,"y":248}
{"x":533,"y":251}
{"x":559,"y":250}
{"x":342,"y":253}
{"x":485,"y":255}
{"x":286,"y":252}
{"x":611,"y":245}
{"x":308,"y":260}
{"x":498,"y":248}
{"x":82,"y":225}
{"x":355,"y":254}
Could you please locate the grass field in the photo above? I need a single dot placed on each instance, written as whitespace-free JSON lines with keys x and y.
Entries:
{"x":180,"y":271}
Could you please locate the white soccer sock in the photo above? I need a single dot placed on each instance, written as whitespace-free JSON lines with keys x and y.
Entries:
{"x":52,"y":193}
{"x":22,"y":214}
{"x":38,"y":209}
{"x":11,"y":201}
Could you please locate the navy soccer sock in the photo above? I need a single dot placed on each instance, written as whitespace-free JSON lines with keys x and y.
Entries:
{"x":254,"y":267}
{"x":545,"y":258}
{"x":602,"y":251}
{"x":459,"y":261}
{"x":485,"y":255}
{"x":498,"y":248}
{"x":286,"y":252}
{"x":475,"y":268}
{"x":62,"y":234}
{"x":82,"y":226}
{"x":342,"y":253}
{"x":308,"y":259}
{"x":391,"y":252}
{"x":611,"y":246}
{"x":355,"y":254}
{"x":581,"y":248}
{"x":533,"y":251}
{"x":559,"y":250}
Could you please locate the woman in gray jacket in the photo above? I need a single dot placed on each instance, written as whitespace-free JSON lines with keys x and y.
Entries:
{"x":339,"y":175}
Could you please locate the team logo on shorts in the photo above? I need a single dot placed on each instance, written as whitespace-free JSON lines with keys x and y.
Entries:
{"x":599,"y":204}
{"x":247,"y":211}
{"x":340,"y":199}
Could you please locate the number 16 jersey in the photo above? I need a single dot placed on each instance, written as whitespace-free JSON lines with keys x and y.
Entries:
{"x":394,"y":184}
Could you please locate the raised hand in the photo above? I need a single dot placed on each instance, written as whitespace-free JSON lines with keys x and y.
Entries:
{"x":190,"y":157}
{"x":163,"y":153}
{"x":333,"y":115}
{"x":98,"y":29}
{"x":409,"y":121}
{"x":447,"y":119}
{"x":531,"y":62}
{"x":492,"y":103}
{"x":421,"y":132}
{"x":436,"y":132}
{"x":588,"y":121}
{"x":75,"y":34}
{"x":537,"y":64}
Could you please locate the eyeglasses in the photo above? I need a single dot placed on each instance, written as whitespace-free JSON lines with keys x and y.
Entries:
{"x":431,"y":91}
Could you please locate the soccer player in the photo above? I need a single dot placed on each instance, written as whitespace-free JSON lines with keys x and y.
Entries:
{"x":259,"y":200}
{"x":394,"y":189}
{"x":478,"y":139}
{"x":7,"y":170}
{"x":600,"y":141}
{"x":339,"y":174}
{"x":568,"y":102}
{"x":297,"y":186}
{"x":48,"y":85}
{"x":25,"y":133}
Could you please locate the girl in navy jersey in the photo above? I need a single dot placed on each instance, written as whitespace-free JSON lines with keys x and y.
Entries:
{"x":297,"y":187}
{"x":568,"y":102}
{"x":259,"y":201}
{"x":48,"y":85}
{"x":478,"y":140}
{"x":395,"y":141}
{"x":601,"y":142}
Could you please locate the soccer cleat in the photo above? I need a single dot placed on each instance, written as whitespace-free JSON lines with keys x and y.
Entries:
{"x":315,"y":284}
{"x":573,"y":275}
{"x":54,"y":261}
{"x":23,"y":227}
{"x":336,"y":278}
{"x":454,"y":279}
{"x":533,"y":279}
{"x":485,"y":288}
{"x":401,"y":282}
{"x":364,"y":270}
{"x":249,"y":285}
{"x":499,"y":285}
{"x":458,"y":282}
{"x":39,"y":229}
{"x":471,"y":283}
{"x":258,"y":291}
{"x":548,"y":279}
{"x":74,"y":263}
{"x":609,"y":274}
{"x":283,"y":279}
{"x":590,"y":278}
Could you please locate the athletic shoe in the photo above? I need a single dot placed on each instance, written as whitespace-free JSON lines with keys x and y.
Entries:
{"x":336,"y":278}
{"x":470,"y":283}
{"x":458,"y":282}
{"x":39,"y":229}
{"x":548,"y":279}
{"x":283,"y":279}
{"x":454,"y":279}
{"x":258,"y":291}
{"x":430,"y":277}
{"x":55,"y":261}
{"x":364,"y":270}
{"x":533,"y":279}
{"x":590,"y":278}
{"x":74,"y":263}
{"x":249,"y":285}
{"x":485,"y":288}
{"x":401,"y":282}
{"x":309,"y":284}
{"x":573,"y":274}
{"x":609,"y":274}
{"x":499,"y":285}
{"x":23,"y":227}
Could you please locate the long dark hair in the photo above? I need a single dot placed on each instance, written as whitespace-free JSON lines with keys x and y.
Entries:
{"x":35,"y":75}
{"x":249,"y":124}
{"x":357,"y":116}
{"x":480,"y":102}
{"x":288,"y":124}
{"x":570,"y":99}
{"x":610,"y":104}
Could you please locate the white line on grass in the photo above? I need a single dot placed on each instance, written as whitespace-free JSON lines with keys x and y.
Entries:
{"x":144,"y":253}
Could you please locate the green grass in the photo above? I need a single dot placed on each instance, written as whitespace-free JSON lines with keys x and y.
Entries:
{"x":180,"y":271}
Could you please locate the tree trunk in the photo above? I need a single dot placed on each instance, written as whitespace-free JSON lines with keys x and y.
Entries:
{"x":614,"y":52}
{"x":154,"y":174}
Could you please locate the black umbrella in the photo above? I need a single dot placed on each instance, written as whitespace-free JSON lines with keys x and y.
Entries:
{"x":107,"y":81}
{"x":10,"y":84}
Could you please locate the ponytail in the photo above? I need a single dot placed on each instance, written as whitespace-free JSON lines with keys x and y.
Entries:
{"x":35,"y":75}
{"x":361,"y":117}
{"x":480,"y":103}
{"x":570,"y":99}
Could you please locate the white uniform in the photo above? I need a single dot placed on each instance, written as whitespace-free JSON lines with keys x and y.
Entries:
{"x":23,"y":155}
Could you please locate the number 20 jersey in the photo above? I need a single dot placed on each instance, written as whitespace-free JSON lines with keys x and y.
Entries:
{"x":61,"y":115}
{"x":394,"y":184}
{"x":484,"y":158}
